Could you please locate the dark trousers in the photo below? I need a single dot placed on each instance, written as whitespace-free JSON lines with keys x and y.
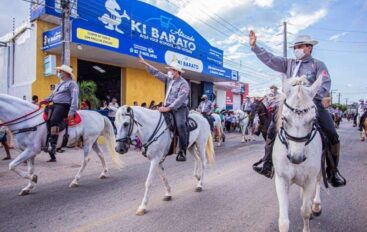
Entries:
{"x":181,"y":117}
{"x":210,"y":120}
{"x":58,"y":114}
{"x":250,"y":121}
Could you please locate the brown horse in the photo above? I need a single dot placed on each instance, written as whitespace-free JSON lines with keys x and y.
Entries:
{"x":337,"y":119}
{"x":264,"y":117}
{"x":364,"y":130}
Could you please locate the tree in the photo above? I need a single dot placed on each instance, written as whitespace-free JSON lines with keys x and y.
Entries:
{"x":88,"y":91}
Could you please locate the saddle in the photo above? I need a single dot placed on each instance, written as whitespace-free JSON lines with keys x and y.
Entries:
{"x":171,"y":123}
{"x":67,"y":123}
{"x":70,"y":123}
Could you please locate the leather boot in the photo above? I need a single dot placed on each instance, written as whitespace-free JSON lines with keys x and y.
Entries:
{"x":53,"y":143}
{"x":335,"y":178}
{"x":181,"y":156}
{"x":267,"y":168}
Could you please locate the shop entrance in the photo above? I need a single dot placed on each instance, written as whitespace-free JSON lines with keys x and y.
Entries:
{"x":195,"y":95}
{"x":107,"y":78}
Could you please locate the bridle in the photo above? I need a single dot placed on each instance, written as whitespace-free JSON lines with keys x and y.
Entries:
{"x":284,"y":136}
{"x":153,"y":138}
{"x":128,"y":140}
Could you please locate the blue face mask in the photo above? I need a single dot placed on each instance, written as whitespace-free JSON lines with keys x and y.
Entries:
{"x":59,"y":75}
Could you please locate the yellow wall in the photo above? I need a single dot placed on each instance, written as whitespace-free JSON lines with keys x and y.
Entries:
{"x":41,"y":86}
{"x":140,"y":86}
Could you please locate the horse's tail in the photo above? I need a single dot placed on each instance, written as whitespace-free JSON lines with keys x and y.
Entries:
{"x":210,"y":150}
{"x":110,"y":141}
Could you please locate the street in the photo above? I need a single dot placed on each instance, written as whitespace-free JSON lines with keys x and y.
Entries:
{"x":235,"y":198}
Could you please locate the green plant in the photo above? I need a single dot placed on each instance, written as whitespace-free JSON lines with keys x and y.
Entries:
{"x":87,"y":91}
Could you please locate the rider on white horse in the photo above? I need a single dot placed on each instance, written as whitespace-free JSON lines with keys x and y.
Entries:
{"x":206,"y":109}
{"x":303,"y":65}
{"x":247,"y":108}
{"x":65,"y":105}
{"x":176,"y":101}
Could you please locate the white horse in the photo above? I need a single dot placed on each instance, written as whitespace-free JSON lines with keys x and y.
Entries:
{"x":151,"y":129}
{"x":20,"y":115}
{"x":218,"y":129}
{"x":243,"y":120}
{"x":297,"y":150}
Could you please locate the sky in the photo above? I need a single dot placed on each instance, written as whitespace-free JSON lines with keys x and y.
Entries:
{"x":339,"y":26}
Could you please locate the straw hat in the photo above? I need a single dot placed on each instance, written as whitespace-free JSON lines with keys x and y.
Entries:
{"x":175,"y":66}
{"x":303,"y":39}
{"x":66,"y":68}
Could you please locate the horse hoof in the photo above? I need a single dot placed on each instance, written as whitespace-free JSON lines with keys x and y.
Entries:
{"x":167,"y":198}
{"x":316,"y":214}
{"x":141,"y":212}
{"x":102,"y":177}
{"x":73,"y":185}
{"x":24,"y":192}
{"x":34,"y":179}
{"x":198,"y":189}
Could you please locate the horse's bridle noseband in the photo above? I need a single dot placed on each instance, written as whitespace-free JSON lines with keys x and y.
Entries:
{"x":127,"y":140}
{"x":284,"y":136}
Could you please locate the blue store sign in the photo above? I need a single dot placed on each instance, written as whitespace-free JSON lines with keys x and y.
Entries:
{"x":52,"y":38}
{"x":133,"y":27}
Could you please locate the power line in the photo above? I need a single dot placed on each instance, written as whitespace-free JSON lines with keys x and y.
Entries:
{"x":330,"y":29}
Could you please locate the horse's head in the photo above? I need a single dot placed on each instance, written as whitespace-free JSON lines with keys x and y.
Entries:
{"x":297,"y":117}
{"x":126,"y":126}
{"x":258,"y":106}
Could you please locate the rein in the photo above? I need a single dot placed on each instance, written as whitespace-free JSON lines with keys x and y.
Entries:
{"x":15,"y":121}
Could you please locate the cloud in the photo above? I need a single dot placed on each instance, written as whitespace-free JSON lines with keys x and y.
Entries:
{"x":337,"y":36}
{"x":263,"y":3}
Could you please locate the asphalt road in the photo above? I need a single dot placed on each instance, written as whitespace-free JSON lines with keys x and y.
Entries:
{"x":235,"y":198}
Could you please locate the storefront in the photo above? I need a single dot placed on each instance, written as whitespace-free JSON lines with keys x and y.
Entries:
{"x":106,"y":39}
{"x":230,"y":95}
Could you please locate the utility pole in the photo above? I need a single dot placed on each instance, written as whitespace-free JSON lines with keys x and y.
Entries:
{"x":331,"y":94}
{"x":65,"y":27}
{"x":285,"y":39}
{"x":339,"y":95}
{"x":346,"y":102}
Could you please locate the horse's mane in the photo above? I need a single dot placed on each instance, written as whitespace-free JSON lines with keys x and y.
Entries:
{"x":11,"y":99}
{"x":123,"y":110}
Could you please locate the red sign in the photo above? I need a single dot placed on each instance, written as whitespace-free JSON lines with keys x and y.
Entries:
{"x":229,"y":98}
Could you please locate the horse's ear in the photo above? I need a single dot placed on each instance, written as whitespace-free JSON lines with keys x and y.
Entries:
{"x":314,"y":88}
{"x":285,"y":84}
{"x":128,"y":110}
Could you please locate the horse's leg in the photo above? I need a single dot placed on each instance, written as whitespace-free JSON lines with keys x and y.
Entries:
{"x":197,"y":160}
{"x":202,"y":164}
{"x":87,"y":148}
{"x":26,"y":190}
{"x":143,"y":206}
{"x":162,"y":174}
{"x":306,"y":211}
{"x":25,"y":155}
{"x":282,"y":189}
{"x":100,"y":154}
{"x":316,"y":205}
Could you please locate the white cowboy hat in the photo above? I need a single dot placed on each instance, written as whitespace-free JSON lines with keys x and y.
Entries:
{"x":304,"y":39}
{"x":66,"y":68}
{"x":204,"y":96}
{"x":175,"y":66}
